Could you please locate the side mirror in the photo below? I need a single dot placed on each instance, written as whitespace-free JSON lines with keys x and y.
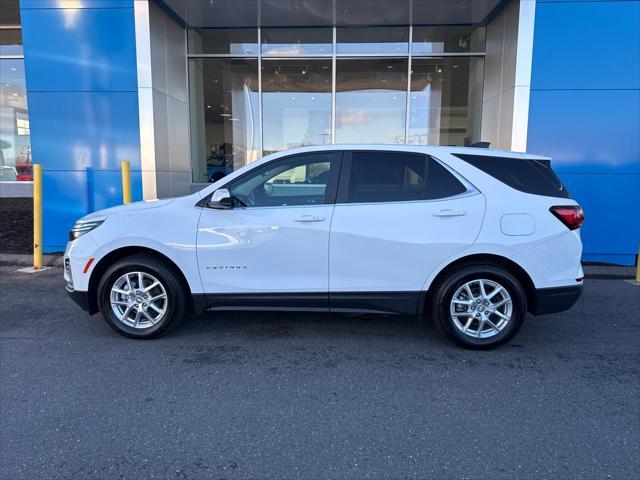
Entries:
{"x":221,"y":200}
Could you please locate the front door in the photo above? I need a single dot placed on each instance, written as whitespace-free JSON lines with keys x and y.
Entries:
{"x":397,"y":217}
{"x":271,"y":248}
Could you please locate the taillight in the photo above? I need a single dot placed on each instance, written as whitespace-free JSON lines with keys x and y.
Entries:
{"x":571,"y":215}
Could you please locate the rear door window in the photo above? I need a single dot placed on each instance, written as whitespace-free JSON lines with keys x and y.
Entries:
{"x":395,"y":176}
{"x":527,"y":175}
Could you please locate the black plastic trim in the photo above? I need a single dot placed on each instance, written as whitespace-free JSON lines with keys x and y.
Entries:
{"x":402,"y":303}
{"x":556,"y":299}
{"x":268,"y":301}
{"x":80,"y":298}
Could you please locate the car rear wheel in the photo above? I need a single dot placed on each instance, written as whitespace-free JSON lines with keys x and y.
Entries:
{"x":141,"y":297}
{"x":479,"y":306}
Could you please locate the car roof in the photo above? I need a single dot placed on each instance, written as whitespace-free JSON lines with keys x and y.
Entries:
{"x":427,"y":149}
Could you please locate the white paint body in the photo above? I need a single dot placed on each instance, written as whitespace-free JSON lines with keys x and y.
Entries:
{"x":386,"y":247}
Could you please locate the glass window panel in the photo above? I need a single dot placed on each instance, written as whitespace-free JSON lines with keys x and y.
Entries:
{"x":372,"y":40}
{"x":295,"y":180}
{"x":225,"y":120}
{"x":371,"y":100}
{"x":297,"y":41}
{"x":387,"y":177}
{"x":234,"y":41}
{"x":15,"y":147}
{"x":296,"y":103}
{"x":10,"y":41}
{"x":445,"y":101}
{"x":448,"y":39}
{"x":10,"y":12}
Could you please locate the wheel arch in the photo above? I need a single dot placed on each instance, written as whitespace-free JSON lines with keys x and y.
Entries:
{"x":512,"y":267}
{"x":113,"y":256}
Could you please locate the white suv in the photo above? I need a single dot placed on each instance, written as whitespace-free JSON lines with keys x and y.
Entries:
{"x":472,"y":237}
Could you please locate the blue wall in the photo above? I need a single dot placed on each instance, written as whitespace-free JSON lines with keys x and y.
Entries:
{"x":585,"y":113}
{"x":80,"y":66}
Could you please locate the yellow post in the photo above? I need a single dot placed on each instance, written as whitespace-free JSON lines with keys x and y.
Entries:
{"x":37,"y":216}
{"x":126,"y":182}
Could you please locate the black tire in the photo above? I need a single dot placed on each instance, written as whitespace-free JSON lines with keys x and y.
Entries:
{"x":443,"y":294}
{"x":176,"y":296}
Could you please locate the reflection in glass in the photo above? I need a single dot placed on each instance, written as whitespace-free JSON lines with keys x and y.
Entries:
{"x":372,"y":40}
{"x":297,"y":41}
{"x":448,"y":39}
{"x":10,"y":41}
{"x":225,"y":118}
{"x":371,"y":100}
{"x":296,"y":103}
{"x":15,"y":147}
{"x":234,"y":41}
{"x":445,"y":101}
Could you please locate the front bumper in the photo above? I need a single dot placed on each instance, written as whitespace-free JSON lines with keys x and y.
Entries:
{"x":556,"y":299}
{"x":81,"y":298}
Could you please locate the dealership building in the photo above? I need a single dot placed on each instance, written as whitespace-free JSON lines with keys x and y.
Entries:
{"x":189,"y":90}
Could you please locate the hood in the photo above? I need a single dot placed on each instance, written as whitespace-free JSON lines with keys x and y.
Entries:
{"x":130,"y":208}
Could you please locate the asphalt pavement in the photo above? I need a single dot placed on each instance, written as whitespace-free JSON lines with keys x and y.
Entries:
{"x":274,"y":395}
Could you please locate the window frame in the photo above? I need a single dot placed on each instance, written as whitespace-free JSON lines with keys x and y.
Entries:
{"x":342,"y":196}
{"x":330,"y":192}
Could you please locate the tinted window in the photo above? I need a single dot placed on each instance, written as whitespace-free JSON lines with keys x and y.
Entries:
{"x":441,"y":183}
{"x":529,"y":176}
{"x":391,"y":177}
{"x":297,"y":180}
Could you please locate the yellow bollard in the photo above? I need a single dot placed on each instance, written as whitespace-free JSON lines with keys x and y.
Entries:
{"x":126,"y":182}
{"x":37,"y":216}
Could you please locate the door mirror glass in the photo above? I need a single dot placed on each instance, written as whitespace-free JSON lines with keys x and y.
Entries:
{"x":221,"y":199}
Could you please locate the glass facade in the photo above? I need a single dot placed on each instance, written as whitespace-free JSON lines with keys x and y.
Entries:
{"x":258,"y":91}
{"x":15,"y":147}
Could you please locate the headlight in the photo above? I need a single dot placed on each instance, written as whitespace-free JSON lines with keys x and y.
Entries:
{"x":80,"y":228}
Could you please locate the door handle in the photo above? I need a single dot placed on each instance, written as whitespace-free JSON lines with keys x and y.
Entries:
{"x":308,"y":219}
{"x":448,"y":213}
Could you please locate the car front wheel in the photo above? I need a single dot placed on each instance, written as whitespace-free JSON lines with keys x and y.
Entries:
{"x":140,"y":297}
{"x":479,"y":306}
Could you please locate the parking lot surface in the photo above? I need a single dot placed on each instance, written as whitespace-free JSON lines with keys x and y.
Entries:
{"x":272,"y":395}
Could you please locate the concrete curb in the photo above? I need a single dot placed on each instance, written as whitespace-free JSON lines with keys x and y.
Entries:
{"x":22,"y":259}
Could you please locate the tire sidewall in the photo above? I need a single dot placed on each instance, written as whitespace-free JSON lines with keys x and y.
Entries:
{"x":152,"y":267}
{"x":455,"y":281}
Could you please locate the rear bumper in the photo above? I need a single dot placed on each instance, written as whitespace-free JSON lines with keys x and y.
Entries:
{"x":81,"y":298}
{"x":556,"y":299}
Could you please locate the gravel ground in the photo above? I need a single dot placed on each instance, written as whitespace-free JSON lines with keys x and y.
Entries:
{"x":16,"y":225}
{"x":259,"y":395}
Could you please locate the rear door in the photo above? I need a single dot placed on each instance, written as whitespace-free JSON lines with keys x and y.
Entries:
{"x":397,"y":216}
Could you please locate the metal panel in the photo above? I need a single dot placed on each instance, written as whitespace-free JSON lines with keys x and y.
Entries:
{"x":83,"y":106}
{"x":76,"y":130}
{"x":587,"y":45}
{"x":611,"y":204}
{"x":579,"y":130}
{"x":79,"y":49}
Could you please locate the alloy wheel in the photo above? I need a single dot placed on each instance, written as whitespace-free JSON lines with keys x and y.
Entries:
{"x":481,"y":308}
{"x":138,"y":300}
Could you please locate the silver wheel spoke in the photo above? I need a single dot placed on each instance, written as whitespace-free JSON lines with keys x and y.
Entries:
{"x":157,"y":297}
{"x":502,"y":315}
{"x":467,"y":325}
{"x":494,"y":293}
{"x":479,"y":332}
{"x":492,"y":325}
{"x":463,"y":302}
{"x":152,"y":305}
{"x":152,"y":286}
{"x":501,"y":302}
{"x":483,"y":293}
